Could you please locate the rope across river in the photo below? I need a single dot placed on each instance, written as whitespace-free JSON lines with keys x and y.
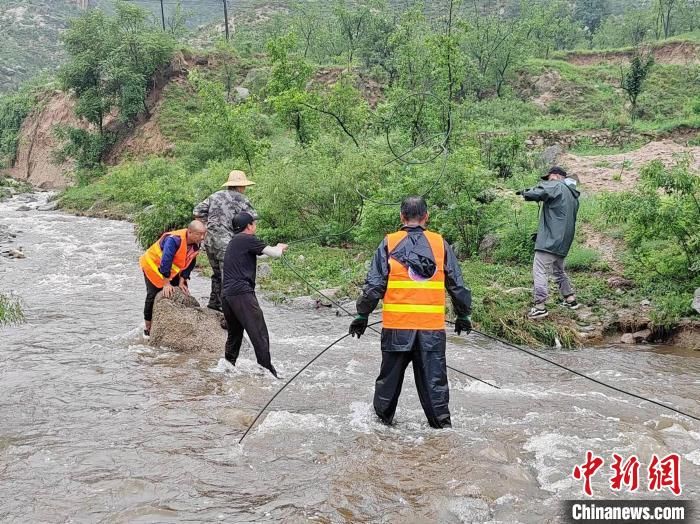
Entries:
{"x":441,"y":152}
{"x":491,"y":337}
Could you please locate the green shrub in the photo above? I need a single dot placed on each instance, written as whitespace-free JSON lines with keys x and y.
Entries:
{"x":583,"y":259}
{"x":669,"y":308}
{"x":695,"y":106}
{"x":502,"y":153}
{"x":84,"y":146}
{"x":226,"y":131}
{"x":515,"y":236}
{"x":10,"y":310}
{"x":13,"y":110}
{"x":661,"y":222}
{"x":312,"y":192}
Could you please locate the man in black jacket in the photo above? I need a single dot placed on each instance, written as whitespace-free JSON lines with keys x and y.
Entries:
{"x":411,"y":270}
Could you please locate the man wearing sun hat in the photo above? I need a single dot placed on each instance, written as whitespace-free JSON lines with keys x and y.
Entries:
{"x":217,"y":213}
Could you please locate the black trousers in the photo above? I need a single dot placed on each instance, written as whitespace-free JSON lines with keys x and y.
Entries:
{"x":151,"y":291}
{"x":430,"y":372}
{"x":243,"y":313}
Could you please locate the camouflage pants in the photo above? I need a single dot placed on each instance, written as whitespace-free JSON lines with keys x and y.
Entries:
{"x":216,"y":261}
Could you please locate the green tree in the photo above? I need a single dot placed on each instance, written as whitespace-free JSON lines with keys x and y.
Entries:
{"x":631,"y":28}
{"x":87,"y":42}
{"x":549,"y":26}
{"x":632,"y":79}
{"x":225,"y":130}
{"x":666,"y":11}
{"x":378,"y":48}
{"x":495,"y":43}
{"x":344,"y":105}
{"x":286,"y":87}
{"x":590,"y":14}
{"x":353,"y":23}
{"x":463,"y":205}
{"x":111,"y":65}
{"x":411,"y":59}
{"x":306,"y":22}
{"x":137,"y":51}
{"x":176,"y":23}
{"x":227,"y":55}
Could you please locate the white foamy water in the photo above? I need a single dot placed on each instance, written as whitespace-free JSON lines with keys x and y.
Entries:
{"x":96,"y":426}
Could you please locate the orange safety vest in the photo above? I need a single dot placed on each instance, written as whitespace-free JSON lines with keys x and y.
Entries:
{"x":411,"y":302}
{"x":150,"y":260}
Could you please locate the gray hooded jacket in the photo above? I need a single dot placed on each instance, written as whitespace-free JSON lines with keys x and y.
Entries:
{"x":558,"y":216}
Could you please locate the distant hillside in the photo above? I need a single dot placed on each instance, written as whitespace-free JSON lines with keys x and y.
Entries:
{"x":30,"y":32}
{"x":30,"y":29}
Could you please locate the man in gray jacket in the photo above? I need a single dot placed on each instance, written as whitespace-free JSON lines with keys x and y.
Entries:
{"x":559,"y":197}
{"x":217,"y":213}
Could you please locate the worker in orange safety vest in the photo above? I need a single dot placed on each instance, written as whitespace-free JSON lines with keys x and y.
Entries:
{"x":168,"y":263}
{"x":410,"y":271}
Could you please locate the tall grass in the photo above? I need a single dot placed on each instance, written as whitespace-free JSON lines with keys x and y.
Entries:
{"x":10,"y":310}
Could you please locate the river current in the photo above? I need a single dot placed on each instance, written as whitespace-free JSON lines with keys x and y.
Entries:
{"x":95,"y":426}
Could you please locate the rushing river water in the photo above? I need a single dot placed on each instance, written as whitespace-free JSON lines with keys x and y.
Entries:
{"x":96,"y":427}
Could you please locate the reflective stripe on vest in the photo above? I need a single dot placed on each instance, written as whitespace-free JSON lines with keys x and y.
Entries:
{"x":150,"y":260}
{"x":411,"y":303}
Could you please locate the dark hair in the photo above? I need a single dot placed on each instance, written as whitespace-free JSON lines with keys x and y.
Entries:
{"x":414,"y":208}
{"x":556,"y":170}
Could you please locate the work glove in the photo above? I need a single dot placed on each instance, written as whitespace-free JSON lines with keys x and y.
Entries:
{"x":358,"y":326}
{"x":463,"y":324}
{"x":533,"y":237}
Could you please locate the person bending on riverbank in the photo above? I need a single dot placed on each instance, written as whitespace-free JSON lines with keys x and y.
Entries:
{"x":168,"y":263}
{"x":217,"y":213}
{"x":411,"y":270}
{"x":555,"y":233}
{"x":240,"y":305}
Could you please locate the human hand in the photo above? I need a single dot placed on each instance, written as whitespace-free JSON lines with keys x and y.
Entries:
{"x":358,"y":326}
{"x":283,"y":247}
{"x":183,"y":286}
{"x":167,"y":290}
{"x":463,"y":324}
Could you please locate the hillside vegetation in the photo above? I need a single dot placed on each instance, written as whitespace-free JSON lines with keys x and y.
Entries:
{"x":30,"y":32}
{"x":336,"y":114}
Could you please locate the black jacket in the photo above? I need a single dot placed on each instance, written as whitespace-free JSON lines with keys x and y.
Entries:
{"x":413,"y":251}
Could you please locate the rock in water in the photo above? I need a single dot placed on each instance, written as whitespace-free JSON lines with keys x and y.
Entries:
{"x":642,"y":336}
{"x":181,"y":324}
{"x":627,"y":338}
{"x":51,"y":206}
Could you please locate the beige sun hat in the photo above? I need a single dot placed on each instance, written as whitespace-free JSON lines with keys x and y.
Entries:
{"x":237,"y":179}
